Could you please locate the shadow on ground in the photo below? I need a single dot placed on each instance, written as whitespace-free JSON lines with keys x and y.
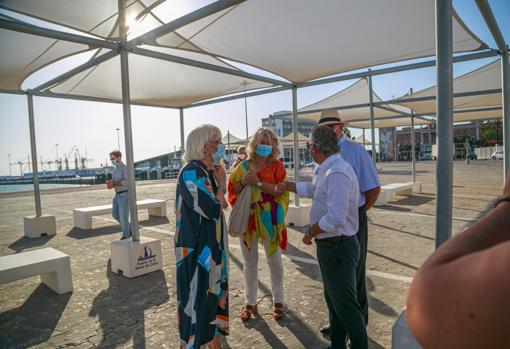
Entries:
{"x":120,"y":308}
{"x":23,"y":243}
{"x":308,"y":337}
{"x":19,"y":328}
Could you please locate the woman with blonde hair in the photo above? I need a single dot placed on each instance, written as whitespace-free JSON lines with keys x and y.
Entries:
{"x":269,"y":202}
{"x":201,"y":242}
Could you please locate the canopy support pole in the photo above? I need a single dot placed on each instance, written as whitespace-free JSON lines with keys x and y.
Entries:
{"x":505,"y":82}
{"x":444,"y":93}
{"x":364,"y":139}
{"x":181,"y":124}
{"x":128,"y":134}
{"x":295,"y":152}
{"x":372,"y":121}
{"x":413,"y":156}
{"x":33,"y":150}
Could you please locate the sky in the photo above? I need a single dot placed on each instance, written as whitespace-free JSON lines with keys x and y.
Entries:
{"x":91,"y":126}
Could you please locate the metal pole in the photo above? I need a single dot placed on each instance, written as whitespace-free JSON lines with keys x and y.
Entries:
{"x":444,"y":93}
{"x":295,"y":134}
{"x":128,"y":136}
{"x":118,"y":138}
{"x":372,"y":121}
{"x":33,"y":150}
{"x":181,"y":120}
{"x":505,"y":86}
{"x":413,"y":152}
{"x":364,"y":139}
{"x":246,"y":112}
{"x":10,"y":170}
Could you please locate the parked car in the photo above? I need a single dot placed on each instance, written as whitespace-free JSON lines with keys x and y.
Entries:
{"x":498,"y":155}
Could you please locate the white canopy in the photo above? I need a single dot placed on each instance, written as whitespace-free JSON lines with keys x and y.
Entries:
{"x":282,"y":37}
{"x":487,"y":77}
{"x":158,"y":82}
{"x":399,"y":122}
{"x":303,"y":40}
{"x":357,"y":93}
{"x":289,"y":139}
{"x":229,"y":138}
{"x":22,"y":54}
{"x":96,"y":17}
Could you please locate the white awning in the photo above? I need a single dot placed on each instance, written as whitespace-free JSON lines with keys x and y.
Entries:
{"x":22,"y":54}
{"x":158,"y":82}
{"x":303,"y":40}
{"x":399,"y":122}
{"x":355,"y":94}
{"x":96,"y":17}
{"x":487,"y":77}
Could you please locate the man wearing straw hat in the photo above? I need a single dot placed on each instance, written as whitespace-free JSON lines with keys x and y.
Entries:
{"x":369,"y":187}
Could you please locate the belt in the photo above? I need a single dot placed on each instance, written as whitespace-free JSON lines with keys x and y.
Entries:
{"x":332,"y":240}
{"x":120,"y":192}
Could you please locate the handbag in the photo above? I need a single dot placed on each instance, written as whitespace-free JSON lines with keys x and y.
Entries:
{"x":239,"y":217}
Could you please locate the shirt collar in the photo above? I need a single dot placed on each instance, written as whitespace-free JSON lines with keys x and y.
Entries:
{"x":327,"y":163}
{"x":342,"y":139}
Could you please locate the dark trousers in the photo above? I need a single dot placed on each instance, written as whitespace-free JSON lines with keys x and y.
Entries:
{"x":337,"y":261}
{"x":361,"y":286}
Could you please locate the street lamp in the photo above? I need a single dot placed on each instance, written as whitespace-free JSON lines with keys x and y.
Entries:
{"x":57,"y":161}
{"x":118,"y":138}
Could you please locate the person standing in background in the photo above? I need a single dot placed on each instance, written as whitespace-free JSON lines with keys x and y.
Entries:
{"x":120,"y":204}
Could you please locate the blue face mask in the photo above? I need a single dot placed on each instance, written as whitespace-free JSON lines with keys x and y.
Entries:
{"x":114,"y":162}
{"x":218,"y":154}
{"x":264,"y":150}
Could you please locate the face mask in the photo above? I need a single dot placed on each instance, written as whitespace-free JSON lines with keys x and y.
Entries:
{"x":114,"y":162}
{"x":242,"y":156}
{"x":264,"y":150}
{"x":218,"y":154}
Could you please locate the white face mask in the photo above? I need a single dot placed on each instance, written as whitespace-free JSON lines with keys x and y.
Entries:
{"x":242,"y":156}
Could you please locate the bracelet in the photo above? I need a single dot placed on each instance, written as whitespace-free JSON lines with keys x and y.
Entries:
{"x":222,"y":188}
{"x":501,"y":199}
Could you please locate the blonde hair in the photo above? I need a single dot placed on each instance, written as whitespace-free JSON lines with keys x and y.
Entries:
{"x":257,"y":138}
{"x":197,"y":139}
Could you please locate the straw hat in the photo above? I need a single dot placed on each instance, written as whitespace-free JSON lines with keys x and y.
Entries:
{"x":329,"y":117}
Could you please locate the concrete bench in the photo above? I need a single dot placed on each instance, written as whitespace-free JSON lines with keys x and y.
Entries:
{"x":53,"y":266}
{"x":83,"y":216}
{"x":388,"y":190}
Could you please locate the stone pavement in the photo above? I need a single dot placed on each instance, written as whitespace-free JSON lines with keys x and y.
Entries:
{"x":110,"y":311}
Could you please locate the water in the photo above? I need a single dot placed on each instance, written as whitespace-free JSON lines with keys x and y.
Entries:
{"x":11,"y":188}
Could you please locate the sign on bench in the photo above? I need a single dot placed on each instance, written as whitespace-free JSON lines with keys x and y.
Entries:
{"x":388,"y":190}
{"x":53,"y":266}
{"x":83,"y":216}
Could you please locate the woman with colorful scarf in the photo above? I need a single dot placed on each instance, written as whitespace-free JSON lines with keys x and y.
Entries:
{"x":269,"y":202}
{"x":201,"y":242}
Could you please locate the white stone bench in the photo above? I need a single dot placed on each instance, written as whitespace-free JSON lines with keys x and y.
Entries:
{"x":53,"y":266}
{"x":83,"y":216}
{"x":388,"y":190}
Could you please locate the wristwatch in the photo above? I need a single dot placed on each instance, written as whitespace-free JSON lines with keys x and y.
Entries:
{"x":259,"y":184}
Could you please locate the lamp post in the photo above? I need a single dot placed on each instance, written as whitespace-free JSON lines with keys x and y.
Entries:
{"x":10,"y":172}
{"x":57,"y":161}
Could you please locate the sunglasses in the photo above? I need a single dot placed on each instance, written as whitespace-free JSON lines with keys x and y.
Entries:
{"x":309,"y":145}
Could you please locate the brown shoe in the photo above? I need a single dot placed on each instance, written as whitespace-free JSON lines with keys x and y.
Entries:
{"x":247,"y":311}
{"x":278,"y":312}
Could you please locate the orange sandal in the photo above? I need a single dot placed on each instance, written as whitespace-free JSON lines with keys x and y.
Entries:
{"x":278,"y":312}
{"x":247,"y":312}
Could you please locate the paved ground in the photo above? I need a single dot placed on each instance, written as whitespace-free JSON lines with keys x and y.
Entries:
{"x":109,"y":311}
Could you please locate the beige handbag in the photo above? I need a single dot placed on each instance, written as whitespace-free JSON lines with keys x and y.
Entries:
{"x":238,"y":220}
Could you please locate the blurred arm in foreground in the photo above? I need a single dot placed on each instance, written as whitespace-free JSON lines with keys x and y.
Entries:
{"x":460,"y":297}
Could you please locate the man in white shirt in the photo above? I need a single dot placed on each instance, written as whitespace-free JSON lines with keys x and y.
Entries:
{"x":333,"y":225}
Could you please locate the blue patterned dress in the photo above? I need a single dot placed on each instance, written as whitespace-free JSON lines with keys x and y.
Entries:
{"x":201,"y":254}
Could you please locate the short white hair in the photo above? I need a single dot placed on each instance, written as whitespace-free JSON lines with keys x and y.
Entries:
{"x":197,"y":139}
